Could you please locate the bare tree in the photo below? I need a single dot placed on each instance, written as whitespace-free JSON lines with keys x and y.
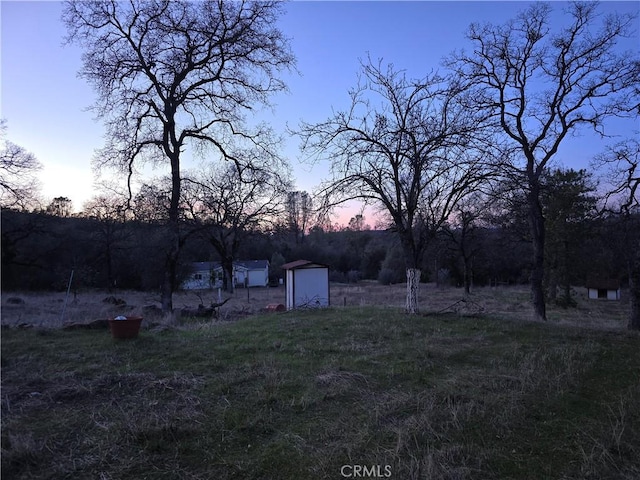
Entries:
{"x":151,"y":203}
{"x":18,"y":184}
{"x":298,"y":213}
{"x":356,"y":223}
{"x":405,"y":146}
{"x":111,"y":234}
{"x":172,"y":73}
{"x":540,"y":87}
{"x":462,"y":229}
{"x":228,"y":203}
{"x":60,"y":207}
{"x":623,"y":162}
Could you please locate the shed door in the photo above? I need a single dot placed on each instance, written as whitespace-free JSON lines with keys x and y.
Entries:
{"x":311,"y":287}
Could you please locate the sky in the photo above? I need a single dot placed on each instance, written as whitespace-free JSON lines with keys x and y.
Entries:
{"x":46,"y":104}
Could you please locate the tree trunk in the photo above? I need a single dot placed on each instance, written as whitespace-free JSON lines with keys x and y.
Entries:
{"x":171,"y":261}
{"x":109,"y":263}
{"x":413,"y":285}
{"x":552,"y":288}
{"x":468,"y":275}
{"x":565,"y":278}
{"x":536,"y":222}
{"x":227,"y":273}
{"x":170,"y":268}
{"x":166,"y":296}
{"x":634,"y":291}
{"x":551,"y":270}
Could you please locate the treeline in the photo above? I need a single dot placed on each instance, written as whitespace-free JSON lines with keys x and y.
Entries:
{"x":40,"y":249}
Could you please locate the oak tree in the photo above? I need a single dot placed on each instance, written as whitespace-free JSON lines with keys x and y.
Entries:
{"x":299,"y":210}
{"x":540,"y":87}
{"x":406,"y":146}
{"x":226,"y":204}
{"x":19,"y":187}
{"x":171,"y":74}
{"x":463,"y":230}
{"x":623,"y":163}
{"x":110,"y":232}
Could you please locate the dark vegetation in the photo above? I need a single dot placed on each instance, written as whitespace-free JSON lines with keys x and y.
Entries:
{"x":39,"y":250}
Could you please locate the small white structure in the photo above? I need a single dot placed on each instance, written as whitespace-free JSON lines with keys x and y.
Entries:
{"x":209,"y":275}
{"x":251,"y":273}
{"x":202,"y":276}
{"x":603,"y":289}
{"x":307,"y":284}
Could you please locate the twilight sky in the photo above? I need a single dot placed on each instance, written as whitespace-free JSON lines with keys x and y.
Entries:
{"x":45,"y":103}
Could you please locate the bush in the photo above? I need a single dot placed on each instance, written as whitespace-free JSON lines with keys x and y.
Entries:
{"x":388,"y":276}
{"x":337,"y":276}
{"x":354,"y":276}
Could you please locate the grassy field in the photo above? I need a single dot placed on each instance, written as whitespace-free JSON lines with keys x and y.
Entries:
{"x":46,"y":310}
{"x":325,"y":395}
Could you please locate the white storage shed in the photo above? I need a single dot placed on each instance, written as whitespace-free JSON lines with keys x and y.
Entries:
{"x":603,"y":289}
{"x":307,"y":284}
{"x":251,"y":273}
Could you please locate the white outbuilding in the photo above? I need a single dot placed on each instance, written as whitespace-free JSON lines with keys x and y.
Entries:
{"x":208,"y":275}
{"x":251,"y":273}
{"x":307,"y":284}
{"x":603,"y":289}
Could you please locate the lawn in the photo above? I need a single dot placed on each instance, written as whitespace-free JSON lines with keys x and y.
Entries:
{"x":340,"y":393}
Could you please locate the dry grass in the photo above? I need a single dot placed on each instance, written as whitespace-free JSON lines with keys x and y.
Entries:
{"x":470,"y":390}
{"x":300,"y":394}
{"x":46,"y":309}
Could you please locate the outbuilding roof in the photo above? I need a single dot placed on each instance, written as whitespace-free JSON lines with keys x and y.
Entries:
{"x":239,"y":264}
{"x":603,"y":283}
{"x":204,"y":266}
{"x":303,"y":264}
{"x":253,"y":264}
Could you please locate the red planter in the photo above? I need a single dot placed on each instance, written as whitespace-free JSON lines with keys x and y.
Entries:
{"x":128,"y":328}
{"x":275,"y":307}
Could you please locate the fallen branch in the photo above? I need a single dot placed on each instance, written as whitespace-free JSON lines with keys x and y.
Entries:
{"x":463,"y":303}
{"x":202,"y":311}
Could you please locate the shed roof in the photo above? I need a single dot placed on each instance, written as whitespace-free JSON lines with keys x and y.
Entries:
{"x":303,"y":264}
{"x":204,"y":266}
{"x":253,"y":264}
{"x":239,"y":264}
{"x":603,"y":283}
